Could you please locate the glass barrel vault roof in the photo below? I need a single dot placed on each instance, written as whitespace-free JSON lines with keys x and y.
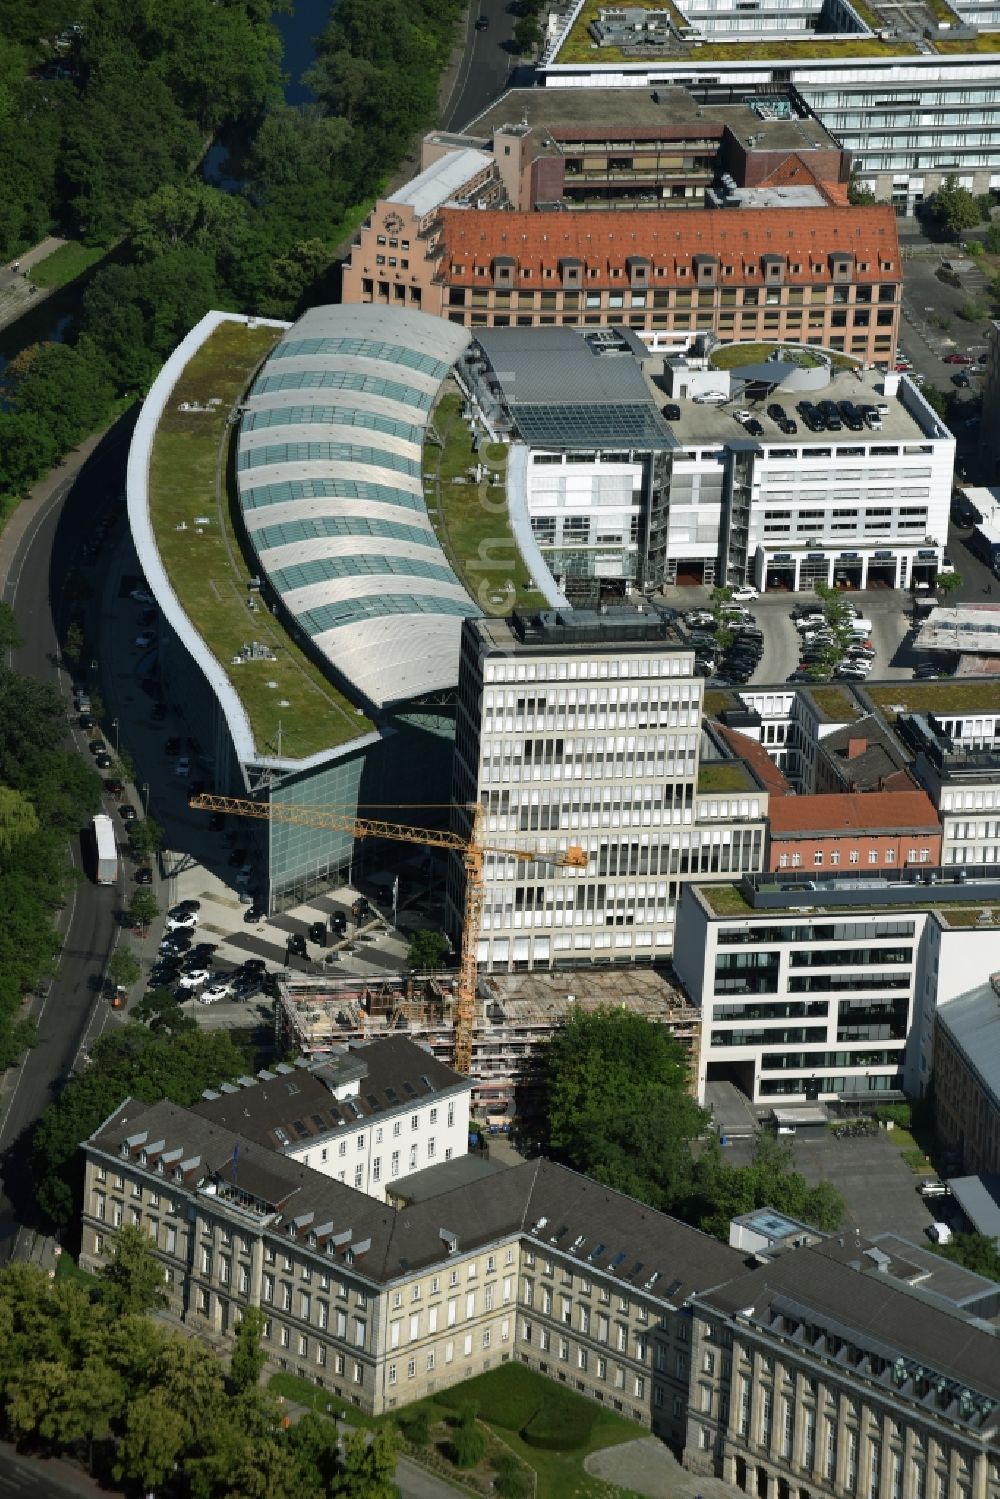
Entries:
{"x":328,"y":469}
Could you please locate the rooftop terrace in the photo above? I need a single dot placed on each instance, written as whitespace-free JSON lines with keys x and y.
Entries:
{"x":203,"y":563}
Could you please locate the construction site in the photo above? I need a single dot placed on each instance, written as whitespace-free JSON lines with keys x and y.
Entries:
{"x":515,"y":1015}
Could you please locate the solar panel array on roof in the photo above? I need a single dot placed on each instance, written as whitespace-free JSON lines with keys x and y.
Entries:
{"x":330,"y":452}
{"x":574,"y":426}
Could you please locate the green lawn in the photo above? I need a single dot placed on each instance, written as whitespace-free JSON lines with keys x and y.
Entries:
{"x":206,"y":567}
{"x":518,"y":1405}
{"x":725,"y":900}
{"x":724,"y":777}
{"x":472,"y":523}
{"x":68,"y":1269}
{"x":65,"y":264}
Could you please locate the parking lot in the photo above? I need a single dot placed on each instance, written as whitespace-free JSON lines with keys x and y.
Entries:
{"x":879,"y":1189}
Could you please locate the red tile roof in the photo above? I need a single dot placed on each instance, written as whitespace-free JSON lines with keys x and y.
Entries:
{"x":738,"y":238}
{"x":859,"y":812}
{"x":756,"y":756}
{"x":794,"y":171}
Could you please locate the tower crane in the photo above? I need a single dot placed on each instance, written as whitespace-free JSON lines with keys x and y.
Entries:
{"x":471,"y":848}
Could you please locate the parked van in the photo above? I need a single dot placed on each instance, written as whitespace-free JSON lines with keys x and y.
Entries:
{"x":861,"y":627}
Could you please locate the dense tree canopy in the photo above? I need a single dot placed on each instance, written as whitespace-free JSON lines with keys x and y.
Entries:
{"x":617,"y":1106}
{"x":85,"y":1372}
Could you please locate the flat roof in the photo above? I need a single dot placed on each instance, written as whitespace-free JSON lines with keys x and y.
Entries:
{"x":979,"y":1199}
{"x":575,"y":112}
{"x":965,"y":696}
{"x":440,"y":182}
{"x":962,"y":627}
{"x":704,"y":424}
{"x":574,"y":387}
{"x":331,"y":492}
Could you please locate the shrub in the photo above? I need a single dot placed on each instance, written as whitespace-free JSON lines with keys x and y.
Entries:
{"x":416,"y":1426}
{"x":560,"y":1426}
{"x":895,"y":1113}
{"x":467,"y":1446}
{"x":513,"y":1484}
{"x":508,"y":1396}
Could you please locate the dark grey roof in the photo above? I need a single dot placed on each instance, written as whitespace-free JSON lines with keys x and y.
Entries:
{"x":570,"y":387}
{"x":234,"y":1167}
{"x":605,"y":1230}
{"x":878,"y":1311}
{"x":979,"y":1199}
{"x":972,"y":1021}
{"x":446,"y":1176}
{"x":297,"y":1106}
{"x":882,"y":757}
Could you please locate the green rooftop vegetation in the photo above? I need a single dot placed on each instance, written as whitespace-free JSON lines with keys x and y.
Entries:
{"x":718,"y":699}
{"x":580,"y":46}
{"x":732,"y":356}
{"x":935,"y":697}
{"x":470,"y":516}
{"x":724,"y":775}
{"x":836,"y":703}
{"x":187,"y":478}
{"x":986,"y":41}
{"x":725,"y":900}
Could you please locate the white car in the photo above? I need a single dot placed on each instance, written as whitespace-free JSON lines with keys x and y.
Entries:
{"x":218,"y":989}
{"x":809,"y":622}
{"x":183,"y":766}
{"x":185,"y":922}
{"x":194,"y":979}
{"x":710,"y":398}
{"x":742,"y":415}
{"x":744,"y":595}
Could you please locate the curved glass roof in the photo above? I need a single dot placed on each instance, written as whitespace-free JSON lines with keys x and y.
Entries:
{"x":337,"y":517}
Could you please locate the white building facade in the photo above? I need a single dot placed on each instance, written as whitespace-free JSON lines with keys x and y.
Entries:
{"x":583,"y":729}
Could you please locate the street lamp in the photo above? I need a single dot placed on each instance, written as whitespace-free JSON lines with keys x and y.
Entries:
{"x":145,"y":798}
{"x":114,"y":725}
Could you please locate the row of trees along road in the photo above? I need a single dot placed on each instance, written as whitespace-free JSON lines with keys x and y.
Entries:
{"x":617,"y":1106}
{"x":101,"y":130}
{"x":84,"y":1371}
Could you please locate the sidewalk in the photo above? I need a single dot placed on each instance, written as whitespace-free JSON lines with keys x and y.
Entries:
{"x":650,"y":1468}
{"x":17,"y":293}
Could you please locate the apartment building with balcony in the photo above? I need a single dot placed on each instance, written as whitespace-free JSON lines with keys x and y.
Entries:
{"x":583,"y":728}
{"x":849,"y":1367}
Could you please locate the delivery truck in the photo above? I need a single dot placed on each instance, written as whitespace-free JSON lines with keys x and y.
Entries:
{"x":985,"y":543}
{"x":105,"y":850}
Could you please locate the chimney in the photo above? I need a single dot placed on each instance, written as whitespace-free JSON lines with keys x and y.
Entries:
{"x":856,"y":747}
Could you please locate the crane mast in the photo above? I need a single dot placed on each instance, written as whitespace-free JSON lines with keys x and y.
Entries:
{"x":471,"y":848}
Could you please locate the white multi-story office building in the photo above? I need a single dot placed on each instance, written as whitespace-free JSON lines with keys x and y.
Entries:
{"x":365,"y":1117}
{"x":958,"y":760}
{"x":578,"y":728}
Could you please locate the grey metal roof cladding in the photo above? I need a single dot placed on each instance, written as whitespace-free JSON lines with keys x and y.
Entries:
{"x":972,"y":1020}
{"x":567,"y":387}
{"x":329,"y":474}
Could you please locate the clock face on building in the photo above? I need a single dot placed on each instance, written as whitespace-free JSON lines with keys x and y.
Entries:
{"x":392,"y":223}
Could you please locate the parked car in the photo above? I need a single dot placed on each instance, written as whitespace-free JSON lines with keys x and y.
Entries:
{"x":958,"y":359}
{"x":754,"y":427}
{"x":104,"y":761}
{"x":96,"y":746}
{"x":183,"y":907}
{"x":85,"y":721}
{"x":219,"y":988}
{"x":482,"y":23}
{"x":672,"y":412}
{"x":127,"y":812}
{"x":183,"y":766}
{"x":144,"y":875}
{"x":254,"y":914}
{"x":194,"y":979}
{"x":318,"y":933}
{"x":141,"y":596}
{"x":144,"y":641}
{"x":961,"y":379}
{"x":338,"y":923}
{"x":296,"y":945}
{"x":185,"y":921}
{"x":745,"y":594}
{"x":934,"y":1188}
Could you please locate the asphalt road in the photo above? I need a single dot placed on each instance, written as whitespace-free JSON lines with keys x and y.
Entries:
{"x":487,"y":63}
{"x":65,"y":1011}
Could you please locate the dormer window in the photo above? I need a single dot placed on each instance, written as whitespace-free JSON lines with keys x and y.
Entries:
{"x":503,"y":270}
{"x":774,"y":269}
{"x":705,"y":267}
{"x":638,"y":267}
{"x":841,"y":265}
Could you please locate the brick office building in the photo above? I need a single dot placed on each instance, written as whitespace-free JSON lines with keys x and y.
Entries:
{"x":863,"y":830}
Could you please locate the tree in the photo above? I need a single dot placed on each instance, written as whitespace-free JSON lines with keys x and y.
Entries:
{"x":839,"y":619}
{"x":954,"y":208}
{"x":721,"y":1192}
{"x":991,"y":240}
{"x":17,"y":818}
{"x":160,"y":1011}
{"x":10,"y":635}
{"x":124,"y":968}
{"x":133,"y":1281}
{"x":527,"y":33}
{"x":977,"y":1252}
{"x":858,"y":192}
{"x":617,"y":1106}
{"x":935,"y":398}
{"x":146,"y":836}
{"x":948,"y":582}
{"x":427,"y":949}
{"x":73,"y":644}
{"x":367,"y":1468}
{"x":143,"y":909}
{"x":248,"y":1358}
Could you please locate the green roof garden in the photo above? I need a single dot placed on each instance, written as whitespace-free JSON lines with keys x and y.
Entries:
{"x":835,"y":703}
{"x":957,"y":696}
{"x":470,"y":516}
{"x":292,"y":706}
{"x":733,"y":356}
{"x":728,"y":900}
{"x":725,"y":900}
{"x":724,"y":775}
